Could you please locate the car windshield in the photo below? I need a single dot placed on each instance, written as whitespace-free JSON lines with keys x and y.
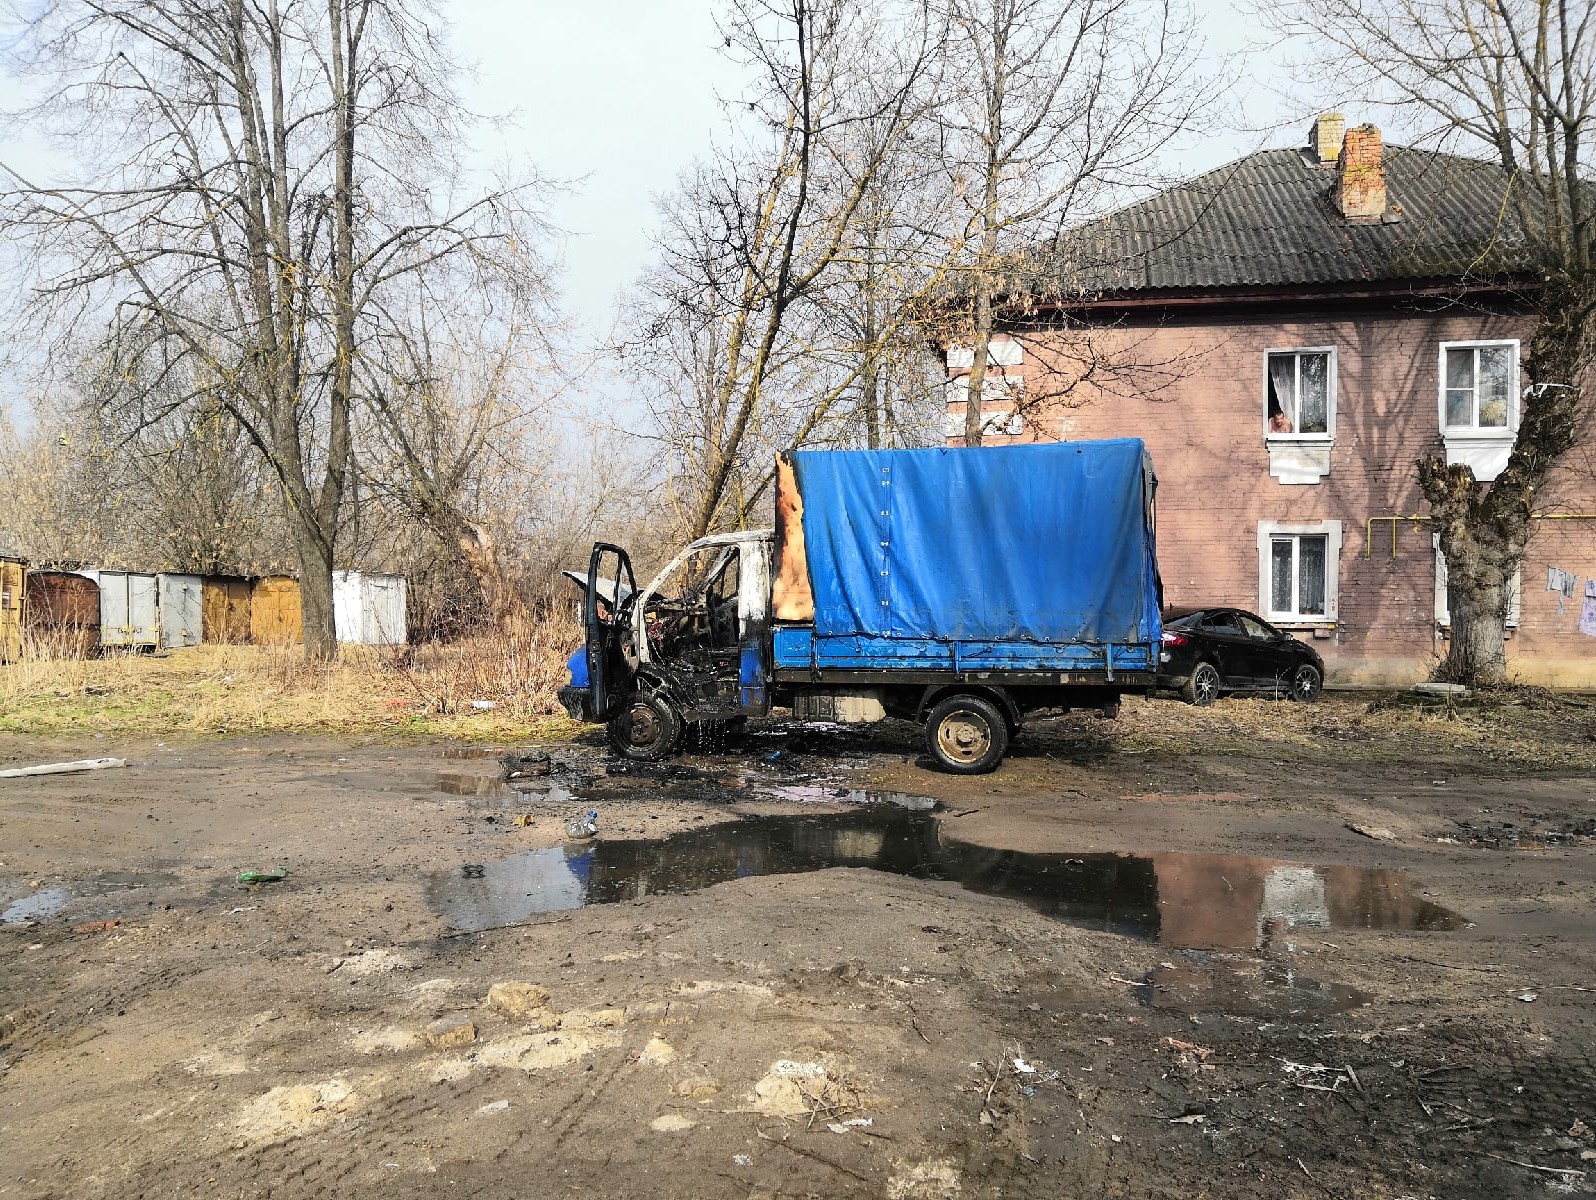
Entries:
{"x":1182,"y":622}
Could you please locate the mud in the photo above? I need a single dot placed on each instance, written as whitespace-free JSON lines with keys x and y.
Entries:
{"x":1113,"y":968}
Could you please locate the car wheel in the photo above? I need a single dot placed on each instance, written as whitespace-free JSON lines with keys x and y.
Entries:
{"x":1306,"y":683}
{"x":1202,"y":685}
{"x":966,"y":735}
{"x":647,"y":729}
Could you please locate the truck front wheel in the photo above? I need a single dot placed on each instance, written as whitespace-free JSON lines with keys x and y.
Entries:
{"x":647,"y":729}
{"x":967,"y":735}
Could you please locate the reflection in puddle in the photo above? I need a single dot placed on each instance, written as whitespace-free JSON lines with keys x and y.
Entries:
{"x":461,"y":783}
{"x":1253,"y":988}
{"x":44,"y":903}
{"x":803,"y":793}
{"x":1187,"y":901}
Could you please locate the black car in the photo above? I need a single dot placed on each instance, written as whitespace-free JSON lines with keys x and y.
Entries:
{"x":1209,"y":651}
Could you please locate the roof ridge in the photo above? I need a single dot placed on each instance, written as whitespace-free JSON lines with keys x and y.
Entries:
{"x":1266,"y":218}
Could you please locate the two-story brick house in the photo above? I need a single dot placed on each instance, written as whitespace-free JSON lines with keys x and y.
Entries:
{"x":1289,"y":334}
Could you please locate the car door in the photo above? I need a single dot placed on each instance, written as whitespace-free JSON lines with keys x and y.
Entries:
{"x":609,"y":670}
{"x":1271,"y":658}
{"x":1232,"y":650}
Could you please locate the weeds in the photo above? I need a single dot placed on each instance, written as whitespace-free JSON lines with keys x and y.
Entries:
{"x":512,"y":677}
{"x":1554,"y":731}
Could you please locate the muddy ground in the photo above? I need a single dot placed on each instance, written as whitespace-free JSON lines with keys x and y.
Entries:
{"x":1146,"y":958}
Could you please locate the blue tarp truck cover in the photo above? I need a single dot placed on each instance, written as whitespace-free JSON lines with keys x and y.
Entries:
{"x":1036,"y":556}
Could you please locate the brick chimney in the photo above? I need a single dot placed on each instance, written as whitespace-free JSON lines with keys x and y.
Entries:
{"x":1360,"y":176}
{"x":1324,"y":139}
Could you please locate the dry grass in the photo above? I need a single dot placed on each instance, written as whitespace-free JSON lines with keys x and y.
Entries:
{"x":1517,"y":725}
{"x":430,"y":689}
{"x":233,"y":689}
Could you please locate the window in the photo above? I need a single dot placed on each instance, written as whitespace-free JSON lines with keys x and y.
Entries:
{"x":1479,"y":386}
{"x":998,"y":423}
{"x":1479,"y":404}
{"x":1257,"y":630}
{"x":1299,"y":392}
{"x":1006,"y":389}
{"x":1298,"y":567}
{"x":1296,"y":574}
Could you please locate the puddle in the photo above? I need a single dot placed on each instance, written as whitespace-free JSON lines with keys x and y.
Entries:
{"x":702,"y":787}
{"x":1185,"y":901}
{"x":800,"y":793}
{"x":1248,"y":989}
{"x":52,"y":901}
{"x":460,"y":783}
{"x":540,"y":790}
{"x":45,"y":902}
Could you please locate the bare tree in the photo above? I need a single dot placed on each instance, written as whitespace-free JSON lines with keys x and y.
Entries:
{"x":756,"y":235}
{"x":452,"y":405}
{"x":260,"y":175}
{"x":1056,"y":107}
{"x":1516,"y":80}
{"x":92,"y":483}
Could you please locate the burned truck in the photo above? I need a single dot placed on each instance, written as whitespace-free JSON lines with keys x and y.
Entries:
{"x":961,"y":589}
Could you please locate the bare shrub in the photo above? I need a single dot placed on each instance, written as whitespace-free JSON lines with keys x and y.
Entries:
{"x":516,"y":670}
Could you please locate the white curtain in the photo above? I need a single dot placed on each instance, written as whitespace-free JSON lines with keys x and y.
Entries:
{"x":1283,"y":375}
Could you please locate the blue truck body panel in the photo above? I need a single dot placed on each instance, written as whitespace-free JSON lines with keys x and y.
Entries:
{"x":1037,"y":557}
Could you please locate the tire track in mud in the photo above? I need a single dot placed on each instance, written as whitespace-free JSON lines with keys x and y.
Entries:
{"x":399,"y":1129}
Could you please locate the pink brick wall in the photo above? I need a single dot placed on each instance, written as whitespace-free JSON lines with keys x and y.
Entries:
{"x":1193,"y":388}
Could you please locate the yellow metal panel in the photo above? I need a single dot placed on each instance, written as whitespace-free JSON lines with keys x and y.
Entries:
{"x":11,"y":601}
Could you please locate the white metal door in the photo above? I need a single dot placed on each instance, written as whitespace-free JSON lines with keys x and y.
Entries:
{"x":384,"y":610}
{"x":143,"y":610}
{"x":181,"y":610}
{"x":114,"y":627}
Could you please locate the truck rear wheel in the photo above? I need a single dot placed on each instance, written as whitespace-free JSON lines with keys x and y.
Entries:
{"x":647,"y":729}
{"x":966,"y":735}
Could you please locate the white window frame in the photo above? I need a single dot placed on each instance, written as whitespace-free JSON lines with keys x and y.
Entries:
{"x":1476,"y":430}
{"x":1331,"y":532}
{"x":1330,"y":383}
{"x":994,"y":423}
{"x":1443,"y":608}
{"x":995,"y":389}
{"x":1007,"y":352}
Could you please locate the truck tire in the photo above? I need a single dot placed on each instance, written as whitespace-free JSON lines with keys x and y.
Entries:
{"x":647,"y":729}
{"x":966,"y":735}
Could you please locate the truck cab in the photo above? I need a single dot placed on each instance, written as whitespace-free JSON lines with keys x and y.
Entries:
{"x":690,"y":648}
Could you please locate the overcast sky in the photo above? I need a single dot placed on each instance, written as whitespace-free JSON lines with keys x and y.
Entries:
{"x":619,"y":96}
{"x":616,"y":97}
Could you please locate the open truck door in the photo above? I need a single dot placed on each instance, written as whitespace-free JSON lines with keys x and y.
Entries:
{"x":604,"y":622}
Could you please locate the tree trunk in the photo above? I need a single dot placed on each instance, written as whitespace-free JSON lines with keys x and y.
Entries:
{"x":1476,"y":597}
{"x":1478,"y":650}
{"x":974,"y":411}
{"x":315,"y":587}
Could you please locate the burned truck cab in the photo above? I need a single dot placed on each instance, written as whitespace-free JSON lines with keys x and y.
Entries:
{"x":690,"y":648}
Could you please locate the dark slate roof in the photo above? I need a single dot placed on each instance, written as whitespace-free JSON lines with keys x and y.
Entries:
{"x":1269,"y":220}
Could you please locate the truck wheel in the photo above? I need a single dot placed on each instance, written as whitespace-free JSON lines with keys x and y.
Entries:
{"x":647,"y":729}
{"x":966,"y":735}
{"x":1202,"y":686}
